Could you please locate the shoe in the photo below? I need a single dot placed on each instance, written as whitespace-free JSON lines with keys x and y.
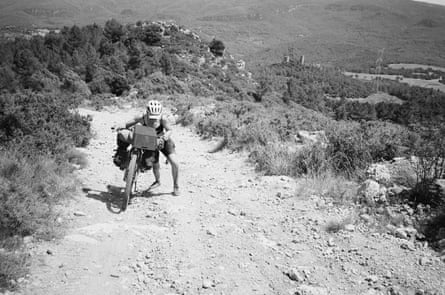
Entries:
{"x":176,"y":191}
{"x":154,"y":185}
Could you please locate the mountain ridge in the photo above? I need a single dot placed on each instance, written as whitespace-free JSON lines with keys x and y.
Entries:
{"x":341,"y":33}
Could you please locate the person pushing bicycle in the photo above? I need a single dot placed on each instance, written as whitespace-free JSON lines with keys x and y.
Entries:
{"x":154,"y":118}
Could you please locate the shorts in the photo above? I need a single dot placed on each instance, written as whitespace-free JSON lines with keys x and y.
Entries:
{"x":169,"y":148}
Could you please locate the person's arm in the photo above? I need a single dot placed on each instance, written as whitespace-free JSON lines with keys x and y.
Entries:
{"x":130,"y":123}
{"x":167,"y":127}
{"x":133,"y":122}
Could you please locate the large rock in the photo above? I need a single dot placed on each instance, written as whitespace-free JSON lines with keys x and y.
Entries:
{"x":371,"y":192}
{"x":200,"y":112}
{"x":380,"y":173}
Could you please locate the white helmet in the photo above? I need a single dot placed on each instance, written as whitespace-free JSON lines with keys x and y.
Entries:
{"x":154,"y":109}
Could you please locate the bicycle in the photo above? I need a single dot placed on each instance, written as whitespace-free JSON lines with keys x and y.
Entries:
{"x":142,"y":155}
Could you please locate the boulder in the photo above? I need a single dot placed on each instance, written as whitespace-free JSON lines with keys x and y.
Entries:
{"x":397,"y":190}
{"x":380,"y":173}
{"x":371,"y":192}
{"x":200,"y":112}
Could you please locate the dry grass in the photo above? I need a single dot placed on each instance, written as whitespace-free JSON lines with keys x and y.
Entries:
{"x":77,"y":157}
{"x":327,"y":185}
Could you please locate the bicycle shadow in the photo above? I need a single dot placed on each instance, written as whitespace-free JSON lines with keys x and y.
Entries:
{"x":151,"y":194}
{"x":113,"y":197}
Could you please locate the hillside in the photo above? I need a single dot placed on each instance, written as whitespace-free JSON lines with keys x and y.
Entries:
{"x":346,"y":33}
{"x":281,"y":116}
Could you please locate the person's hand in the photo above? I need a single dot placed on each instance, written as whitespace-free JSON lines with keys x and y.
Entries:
{"x":117,"y":127}
{"x":161,"y":142}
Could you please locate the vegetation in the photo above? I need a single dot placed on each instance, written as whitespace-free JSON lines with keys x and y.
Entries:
{"x":44,"y":79}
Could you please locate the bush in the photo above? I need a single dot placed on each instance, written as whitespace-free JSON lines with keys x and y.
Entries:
{"x":386,"y":140}
{"x":273,"y":159}
{"x":311,"y":160}
{"x":13,"y":266}
{"x":35,"y":123}
{"x":430,"y":166}
{"x":353,"y":146}
{"x":217,"y":47}
{"x":30,"y":190}
{"x":347,"y":148}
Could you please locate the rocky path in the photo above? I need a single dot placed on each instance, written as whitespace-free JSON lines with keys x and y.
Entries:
{"x":230,"y":232}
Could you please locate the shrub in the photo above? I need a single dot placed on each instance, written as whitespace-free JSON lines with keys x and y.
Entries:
{"x":12,"y":266}
{"x":29,"y":191}
{"x":35,"y":123}
{"x":385,"y":140}
{"x":273,"y":159}
{"x":347,"y":148}
{"x":430,"y":166}
{"x":217,"y":47}
{"x":311,"y":160}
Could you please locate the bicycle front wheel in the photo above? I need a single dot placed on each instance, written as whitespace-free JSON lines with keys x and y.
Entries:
{"x":130,"y":180}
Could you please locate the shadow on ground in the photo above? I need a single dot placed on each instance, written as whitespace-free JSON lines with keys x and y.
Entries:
{"x":113,"y":197}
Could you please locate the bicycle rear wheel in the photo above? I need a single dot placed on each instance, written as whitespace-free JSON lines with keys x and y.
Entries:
{"x":130,"y":180}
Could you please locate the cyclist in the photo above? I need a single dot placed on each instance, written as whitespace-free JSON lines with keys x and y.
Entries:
{"x":153,"y":117}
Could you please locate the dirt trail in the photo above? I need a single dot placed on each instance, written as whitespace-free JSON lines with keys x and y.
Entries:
{"x":230,"y":232}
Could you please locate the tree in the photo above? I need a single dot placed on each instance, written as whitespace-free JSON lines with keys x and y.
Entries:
{"x":166,"y":64}
{"x":74,"y":39}
{"x":151,"y":35}
{"x":25,"y":62}
{"x":7,"y":78}
{"x":118,"y":84}
{"x":217,"y":47}
{"x":113,"y":30}
{"x":105,"y":47}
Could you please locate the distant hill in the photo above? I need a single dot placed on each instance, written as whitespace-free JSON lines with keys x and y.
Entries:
{"x":345,"y":33}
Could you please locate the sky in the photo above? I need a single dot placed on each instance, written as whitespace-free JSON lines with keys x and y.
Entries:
{"x":440,"y":2}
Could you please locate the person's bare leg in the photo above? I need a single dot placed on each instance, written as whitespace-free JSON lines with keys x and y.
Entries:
{"x":175,"y":171}
{"x":157,"y":175}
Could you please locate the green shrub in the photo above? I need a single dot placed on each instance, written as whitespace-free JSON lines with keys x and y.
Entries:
{"x":13,"y":265}
{"x":347,"y":148}
{"x":311,"y":160}
{"x":35,"y":123}
{"x":221,"y":124}
{"x":385,"y":140}
{"x":217,"y":47}
{"x":430,"y":166}
{"x":255,"y":133}
{"x":273,"y":159}
{"x":29,"y":191}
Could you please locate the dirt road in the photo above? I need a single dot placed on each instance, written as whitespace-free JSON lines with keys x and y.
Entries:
{"x":230,"y":232}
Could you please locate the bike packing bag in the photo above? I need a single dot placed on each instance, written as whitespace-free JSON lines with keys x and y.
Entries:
{"x":145,"y":138}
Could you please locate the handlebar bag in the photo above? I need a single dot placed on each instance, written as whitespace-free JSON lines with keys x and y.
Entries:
{"x":145,"y":138}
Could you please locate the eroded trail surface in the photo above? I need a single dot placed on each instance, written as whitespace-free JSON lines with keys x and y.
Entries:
{"x":230,"y":232}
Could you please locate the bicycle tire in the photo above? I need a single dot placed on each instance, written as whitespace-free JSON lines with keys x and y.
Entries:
{"x":130,"y":179}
